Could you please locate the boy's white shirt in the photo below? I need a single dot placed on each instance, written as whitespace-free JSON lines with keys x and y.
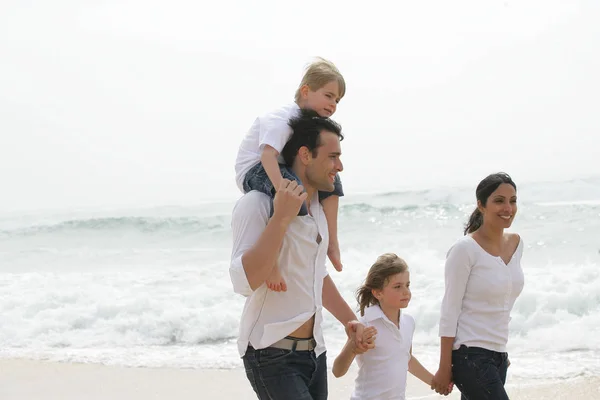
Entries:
{"x":383,"y":370}
{"x":269,"y":129}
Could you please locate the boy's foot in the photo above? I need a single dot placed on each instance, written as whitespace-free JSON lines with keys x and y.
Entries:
{"x":333,"y":252}
{"x":275,"y":281}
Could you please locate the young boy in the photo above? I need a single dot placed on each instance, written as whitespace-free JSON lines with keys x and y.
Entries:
{"x":258,"y":164}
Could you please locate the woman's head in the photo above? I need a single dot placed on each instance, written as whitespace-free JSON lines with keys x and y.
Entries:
{"x":321,"y":88}
{"x":387,"y":280}
{"x":496,"y":203}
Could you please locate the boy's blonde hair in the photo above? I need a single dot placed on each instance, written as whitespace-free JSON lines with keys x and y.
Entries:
{"x":318,"y":74}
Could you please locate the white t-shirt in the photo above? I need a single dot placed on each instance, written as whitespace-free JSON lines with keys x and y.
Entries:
{"x":270,"y":316}
{"x":270,"y":129}
{"x":383,"y":370}
{"x":480,"y":293}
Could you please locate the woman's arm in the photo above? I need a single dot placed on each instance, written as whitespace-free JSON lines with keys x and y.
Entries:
{"x":456,"y":275}
{"x":443,"y":377}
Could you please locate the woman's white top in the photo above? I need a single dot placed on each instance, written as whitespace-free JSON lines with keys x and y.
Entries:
{"x":480,"y":293}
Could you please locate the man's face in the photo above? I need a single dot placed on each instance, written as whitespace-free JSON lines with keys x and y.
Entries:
{"x":324,"y":166}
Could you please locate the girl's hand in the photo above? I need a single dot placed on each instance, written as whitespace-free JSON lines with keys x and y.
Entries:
{"x":368,"y":340}
{"x":369,"y":335}
{"x":354,"y":331}
{"x":442,"y":381}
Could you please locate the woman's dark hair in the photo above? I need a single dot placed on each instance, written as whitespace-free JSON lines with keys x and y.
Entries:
{"x":386,"y":266}
{"x":485,"y":188}
{"x":306,"y":128}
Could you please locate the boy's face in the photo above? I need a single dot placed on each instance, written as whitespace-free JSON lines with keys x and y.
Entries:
{"x":324,"y":100}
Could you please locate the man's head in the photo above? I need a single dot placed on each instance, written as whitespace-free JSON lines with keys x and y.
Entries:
{"x":313,"y":150}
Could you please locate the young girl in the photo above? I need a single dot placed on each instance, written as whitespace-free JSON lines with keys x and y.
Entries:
{"x":258,"y":164}
{"x":382,"y":370}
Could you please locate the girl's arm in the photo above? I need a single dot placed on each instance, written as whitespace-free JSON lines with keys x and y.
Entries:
{"x":344,"y":359}
{"x":418,"y":370}
{"x":269,"y":162}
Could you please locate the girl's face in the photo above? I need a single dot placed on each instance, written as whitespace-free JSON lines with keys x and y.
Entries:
{"x":396,"y":292}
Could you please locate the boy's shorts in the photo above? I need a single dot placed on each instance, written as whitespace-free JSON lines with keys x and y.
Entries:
{"x":257,"y":179}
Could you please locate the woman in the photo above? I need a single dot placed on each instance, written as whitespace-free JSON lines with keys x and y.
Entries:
{"x":483,"y":279}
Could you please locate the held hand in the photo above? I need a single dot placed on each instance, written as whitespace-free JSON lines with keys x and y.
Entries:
{"x":442,"y":381}
{"x":288,"y":199}
{"x":355,"y":331}
{"x":369,"y":336}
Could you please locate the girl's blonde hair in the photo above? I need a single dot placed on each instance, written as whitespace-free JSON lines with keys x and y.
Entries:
{"x":386,"y":266}
{"x":318,"y":74}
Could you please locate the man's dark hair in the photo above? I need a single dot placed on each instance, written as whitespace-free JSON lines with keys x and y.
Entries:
{"x":306,"y":128}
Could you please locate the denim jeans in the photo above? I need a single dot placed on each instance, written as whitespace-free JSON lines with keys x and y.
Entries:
{"x":277,"y":374}
{"x":479,"y":374}
{"x":257,"y":179}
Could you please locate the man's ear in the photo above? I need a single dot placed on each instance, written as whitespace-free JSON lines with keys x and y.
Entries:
{"x":304,"y":154}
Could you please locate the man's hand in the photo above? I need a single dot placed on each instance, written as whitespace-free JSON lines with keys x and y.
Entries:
{"x":356,"y":331}
{"x":369,"y":336}
{"x":288,"y":200}
{"x":442,"y":381}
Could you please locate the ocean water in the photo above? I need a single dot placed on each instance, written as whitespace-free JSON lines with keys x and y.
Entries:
{"x":150,"y":286}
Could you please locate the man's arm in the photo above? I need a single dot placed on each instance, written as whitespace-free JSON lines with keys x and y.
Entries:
{"x":257,"y":239}
{"x":336,"y":305}
{"x":259,"y":260}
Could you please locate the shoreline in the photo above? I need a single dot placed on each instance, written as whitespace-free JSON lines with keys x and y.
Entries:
{"x":48,"y":380}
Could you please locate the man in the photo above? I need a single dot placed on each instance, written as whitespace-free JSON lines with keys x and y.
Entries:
{"x":281,"y":339}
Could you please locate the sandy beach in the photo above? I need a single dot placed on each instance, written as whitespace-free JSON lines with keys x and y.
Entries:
{"x":37,"y":380}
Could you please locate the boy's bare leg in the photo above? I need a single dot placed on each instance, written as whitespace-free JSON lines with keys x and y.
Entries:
{"x":275,"y":281}
{"x":330,"y":208}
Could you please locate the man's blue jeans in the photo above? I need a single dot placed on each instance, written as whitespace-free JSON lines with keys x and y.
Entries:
{"x":286,"y":374}
{"x":479,"y":374}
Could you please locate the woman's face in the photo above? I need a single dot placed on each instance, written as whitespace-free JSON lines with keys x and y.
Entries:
{"x":501,"y":207}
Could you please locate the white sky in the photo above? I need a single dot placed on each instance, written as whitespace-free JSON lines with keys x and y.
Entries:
{"x":136,"y":102}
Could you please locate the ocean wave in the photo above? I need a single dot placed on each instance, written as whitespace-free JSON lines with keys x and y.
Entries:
{"x":186,"y":224}
{"x":386,"y":209}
